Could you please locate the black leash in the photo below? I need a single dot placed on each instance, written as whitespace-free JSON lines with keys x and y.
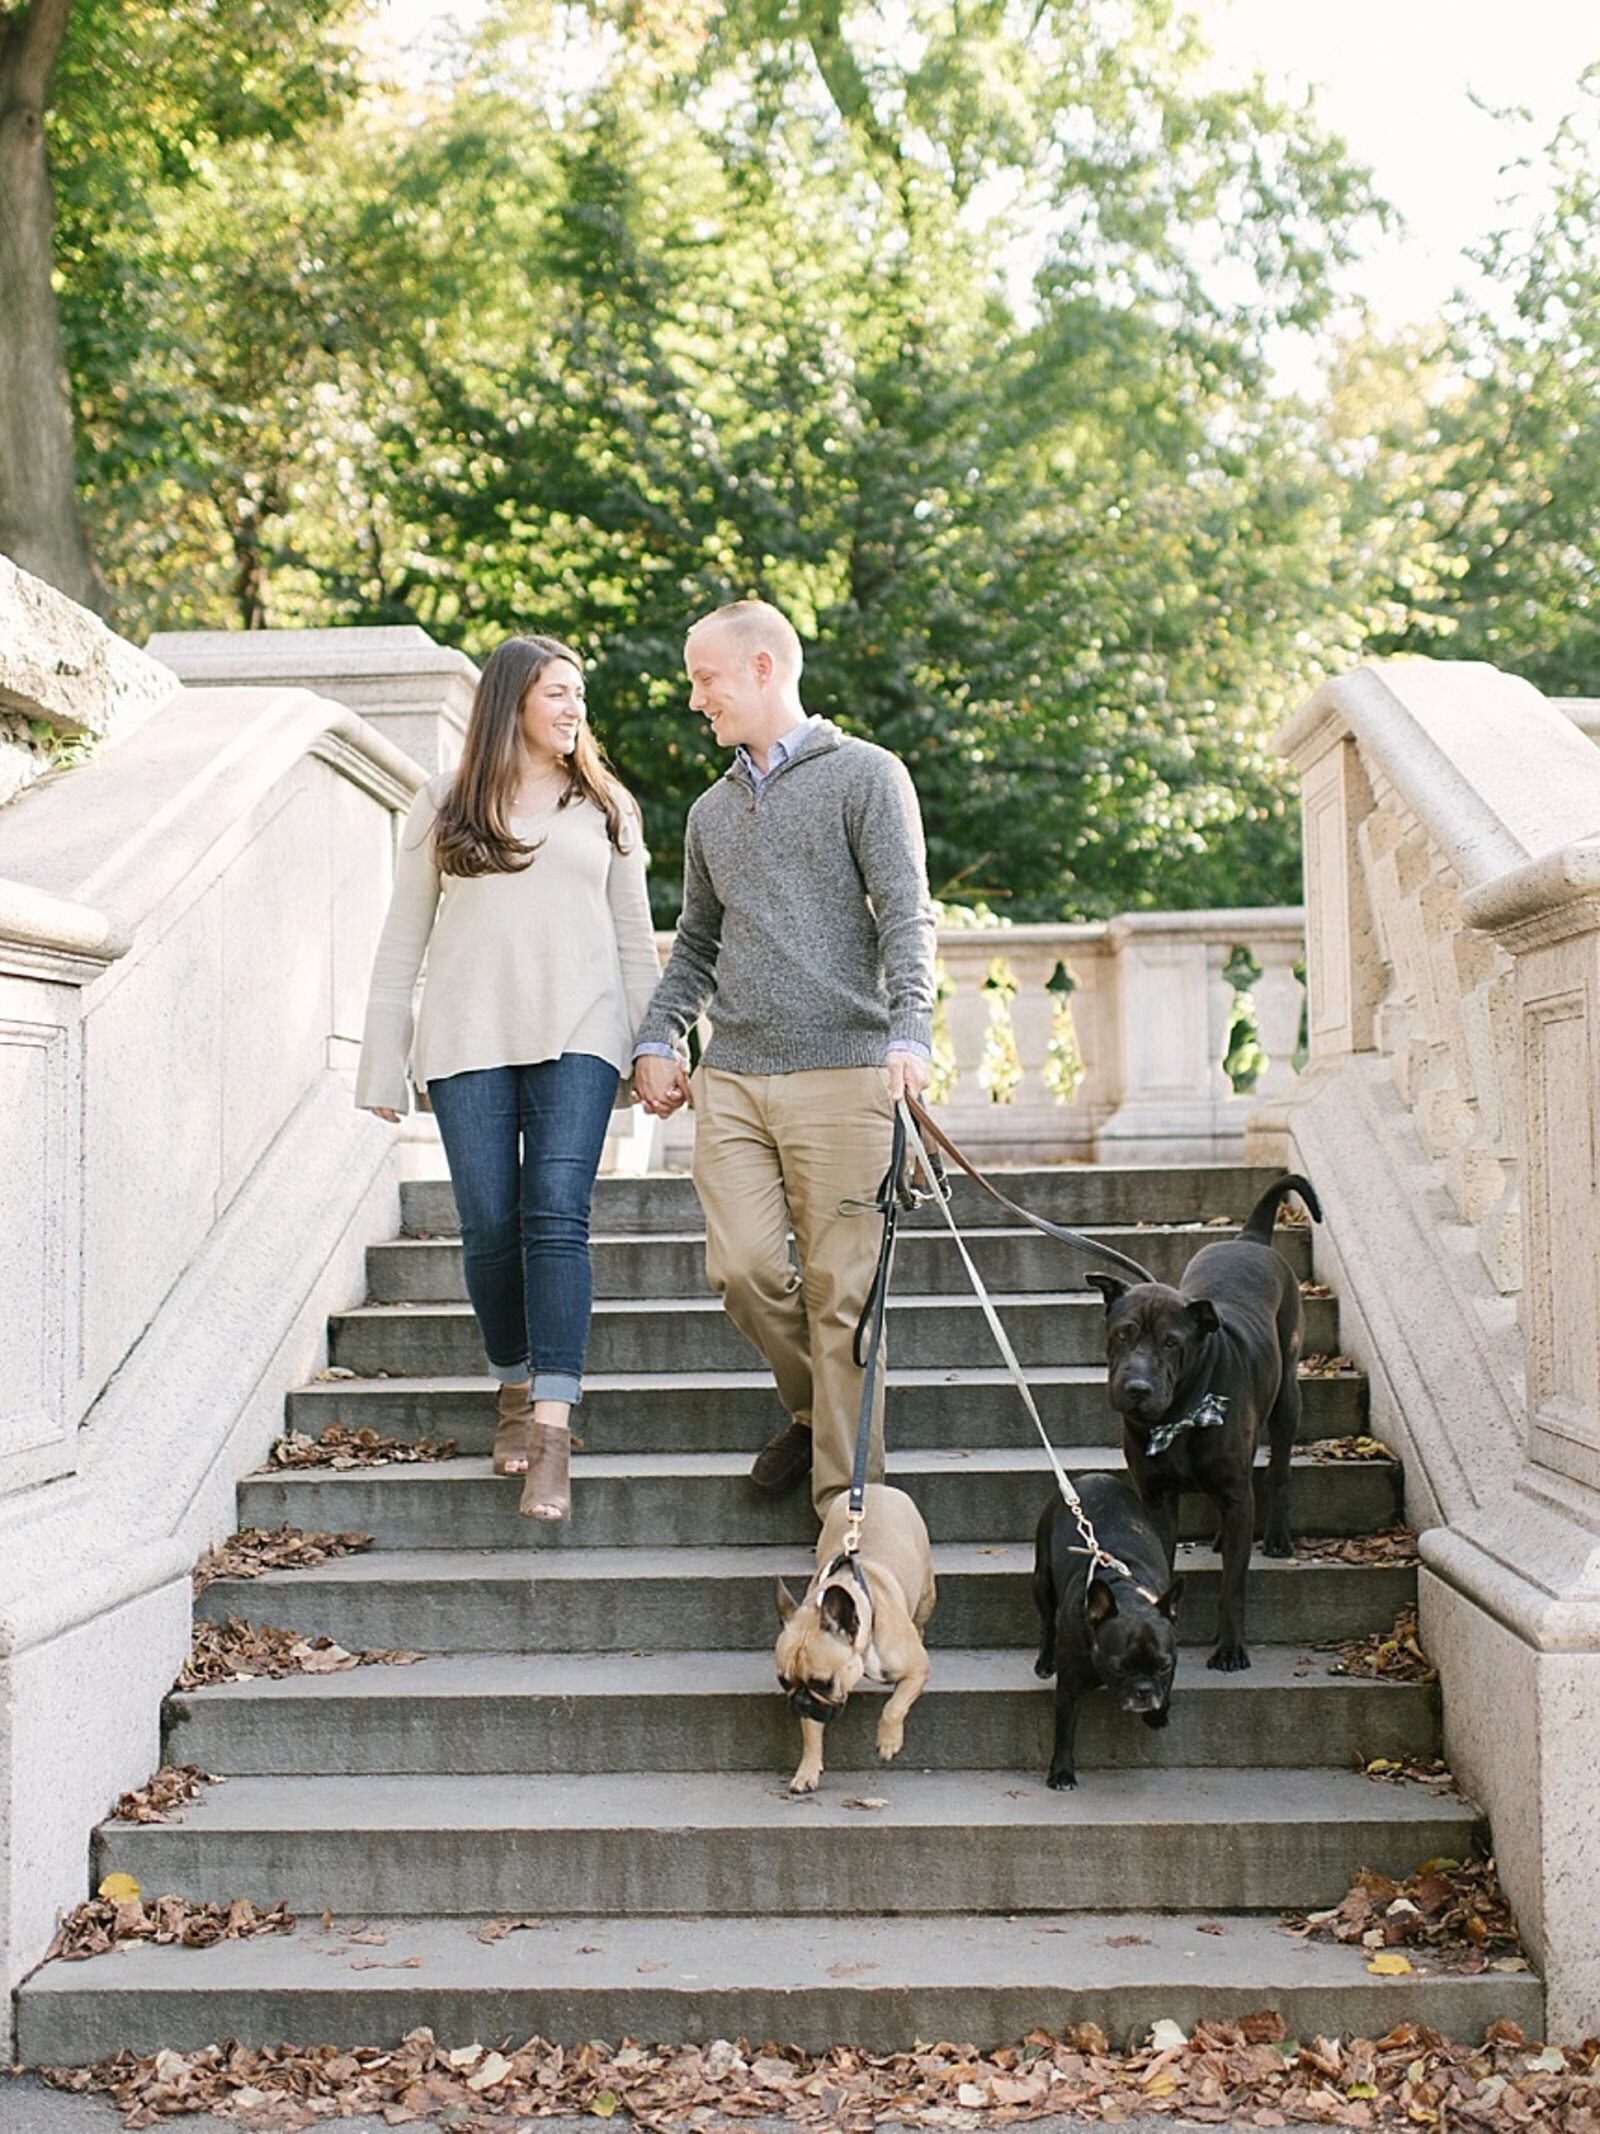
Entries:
{"x":907,"y":1186}
{"x":898,"y":1189}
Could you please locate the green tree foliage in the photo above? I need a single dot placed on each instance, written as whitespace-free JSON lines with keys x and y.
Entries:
{"x":192,"y":294}
{"x":1499,"y":467}
{"x":950,"y":342}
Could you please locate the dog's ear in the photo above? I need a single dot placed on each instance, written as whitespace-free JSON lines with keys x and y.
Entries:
{"x":838,"y":1610}
{"x":1100,"y":1604}
{"x":1203,"y":1315}
{"x":1112,"y":1287}
{"x":1169,"y":1600}
{"x":787,"y":1604}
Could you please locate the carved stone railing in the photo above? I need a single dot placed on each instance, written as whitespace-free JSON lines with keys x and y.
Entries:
{"x":1449,"y":1114}
{"x":1109,"y":1042}
{"x":187,"y":921}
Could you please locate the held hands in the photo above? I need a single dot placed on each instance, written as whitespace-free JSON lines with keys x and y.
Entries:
{"x":382,"y":1111}
{"x":661,"y":1085}
{"x":908,"y":1075}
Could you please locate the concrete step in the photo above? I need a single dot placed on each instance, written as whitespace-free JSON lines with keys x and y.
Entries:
{"x":734,"y":1411}
{"x":671,"y":1600}
{"x":1078,"y":1195}
{"x":672,"y":1263}
{"x":734,"y":1843}
{"x":874,"y":1982}
{"x":686,"y":1711}
{"x":694,"y":1334}
{"x":652,"y":1500}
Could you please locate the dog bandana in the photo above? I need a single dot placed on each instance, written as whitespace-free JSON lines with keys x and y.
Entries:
{"x":1213,"y":1409}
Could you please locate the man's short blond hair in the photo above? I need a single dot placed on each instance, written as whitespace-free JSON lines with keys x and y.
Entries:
{"x":757,"y":626}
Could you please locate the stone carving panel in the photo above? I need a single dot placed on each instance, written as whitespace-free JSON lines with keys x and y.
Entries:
{"x":35,"y":1307}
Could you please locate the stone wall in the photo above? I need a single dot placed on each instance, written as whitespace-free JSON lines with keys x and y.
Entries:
{"x":186,"y":1190}
{"x":1448,"y":1115}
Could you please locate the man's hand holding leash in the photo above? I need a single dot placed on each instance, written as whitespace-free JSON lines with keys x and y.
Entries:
{"x":908,"y":1075}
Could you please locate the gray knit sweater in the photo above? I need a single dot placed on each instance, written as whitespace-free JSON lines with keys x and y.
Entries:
{"x":807,"y":931}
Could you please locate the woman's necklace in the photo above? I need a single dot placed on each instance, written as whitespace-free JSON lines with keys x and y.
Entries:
{"x":539,"y":789}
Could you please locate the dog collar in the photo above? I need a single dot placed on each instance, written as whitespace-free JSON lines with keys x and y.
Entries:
{"x":844,"y":1560}
{"x":1211,"y":1411}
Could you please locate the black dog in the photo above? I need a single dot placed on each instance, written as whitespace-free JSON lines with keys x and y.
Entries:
{"x":1106,"y":1628}
{"x":1195,"y":1372}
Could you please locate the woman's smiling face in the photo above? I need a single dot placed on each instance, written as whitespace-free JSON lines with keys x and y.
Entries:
{"x":553,"y":711}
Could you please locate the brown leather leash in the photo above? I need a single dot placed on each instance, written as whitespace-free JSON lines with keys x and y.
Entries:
{"x":935,"y":1135}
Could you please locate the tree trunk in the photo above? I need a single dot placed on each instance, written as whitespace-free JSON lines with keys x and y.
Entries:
{"x":41,"y":527}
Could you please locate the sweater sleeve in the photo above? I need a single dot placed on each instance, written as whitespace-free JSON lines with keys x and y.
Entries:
{"x":691,"y":975}
{"x":386,"y":1036}
{"x":886,"y":836}
{"x":630,"y":915}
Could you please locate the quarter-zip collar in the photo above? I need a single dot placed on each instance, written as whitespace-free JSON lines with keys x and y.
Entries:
{"x":815,"y":736}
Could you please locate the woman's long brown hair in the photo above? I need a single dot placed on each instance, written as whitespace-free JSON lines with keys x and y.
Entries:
{"x":472,"y":832}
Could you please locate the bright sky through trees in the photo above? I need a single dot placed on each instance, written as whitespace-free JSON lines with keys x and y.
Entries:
{"x":1398,"y":78}
{"x":1419,"y":88}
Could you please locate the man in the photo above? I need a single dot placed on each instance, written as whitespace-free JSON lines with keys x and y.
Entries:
{"x":808,"y":933}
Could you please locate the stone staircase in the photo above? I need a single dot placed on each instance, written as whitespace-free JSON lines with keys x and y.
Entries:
{"x":595,"y":1749}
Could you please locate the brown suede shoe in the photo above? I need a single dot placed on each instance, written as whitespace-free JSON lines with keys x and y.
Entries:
{"x":783,"y":1462}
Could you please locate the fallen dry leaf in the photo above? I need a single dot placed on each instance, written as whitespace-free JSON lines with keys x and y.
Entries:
{"x":1324,"y":1366}
{"x":341,"y":1447}
{"x":254,"y":1549}
{"x":237,"y":1651}
{"x":1453,"y":1908}
{"x":498,"y":1929}
{"x":174,"y":1786}
{"x":1386,"y":1545}
{"x":1385,"y":1656}
{"x":98,"y":1926}
{"x":1349,"y":1449}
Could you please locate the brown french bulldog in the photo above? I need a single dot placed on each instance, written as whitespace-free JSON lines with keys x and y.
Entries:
{"x":1196,"y":1373}
{"x":1111,"y":1627}
{"x":864,"y":1617}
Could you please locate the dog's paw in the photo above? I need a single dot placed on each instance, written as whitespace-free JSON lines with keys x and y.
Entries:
{"x":1229,"y":1659}
{"x":1045,"y":1666}
{"x":891,"y":1740}
{"x":1158,"y":1718}
{"x":805,"y":1781}
{"x":1279,"y":1545}
{"x":1062,"y":1781}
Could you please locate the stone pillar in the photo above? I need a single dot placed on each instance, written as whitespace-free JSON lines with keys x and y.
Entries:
{"x":416,"y":693}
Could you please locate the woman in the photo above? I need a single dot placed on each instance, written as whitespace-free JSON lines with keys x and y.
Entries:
{"x":521,"y":878}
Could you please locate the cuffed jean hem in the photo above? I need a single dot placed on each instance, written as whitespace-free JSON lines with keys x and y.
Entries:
{"x":511,"y":1374}
{"x":557,"y":1385}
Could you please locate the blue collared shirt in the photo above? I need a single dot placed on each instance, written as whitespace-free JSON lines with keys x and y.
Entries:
{"x":778,"y":753}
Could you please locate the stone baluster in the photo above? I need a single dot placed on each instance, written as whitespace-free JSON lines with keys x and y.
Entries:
{"x":967,"y":954}
{"x":1033,"y":1013}
{"x":1279,"y":999}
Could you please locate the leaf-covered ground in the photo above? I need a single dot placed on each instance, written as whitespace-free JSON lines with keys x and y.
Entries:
{"x":1246,"y":2074}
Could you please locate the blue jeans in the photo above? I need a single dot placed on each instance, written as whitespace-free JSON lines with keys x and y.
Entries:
{"x":523,"y":1145}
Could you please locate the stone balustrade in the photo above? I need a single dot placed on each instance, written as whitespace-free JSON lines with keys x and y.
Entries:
{"x":1108,"y":1042}
{"x":1448,"y":1115}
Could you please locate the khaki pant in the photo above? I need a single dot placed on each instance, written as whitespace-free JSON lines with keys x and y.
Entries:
{"x":781,"y":1151}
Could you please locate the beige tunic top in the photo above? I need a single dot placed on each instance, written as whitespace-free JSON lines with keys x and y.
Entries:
{"x":560,"y":957}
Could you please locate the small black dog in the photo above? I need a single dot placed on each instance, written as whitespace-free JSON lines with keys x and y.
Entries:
{"x":1195,"y":1372}
{"x":1106,"y":1628}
